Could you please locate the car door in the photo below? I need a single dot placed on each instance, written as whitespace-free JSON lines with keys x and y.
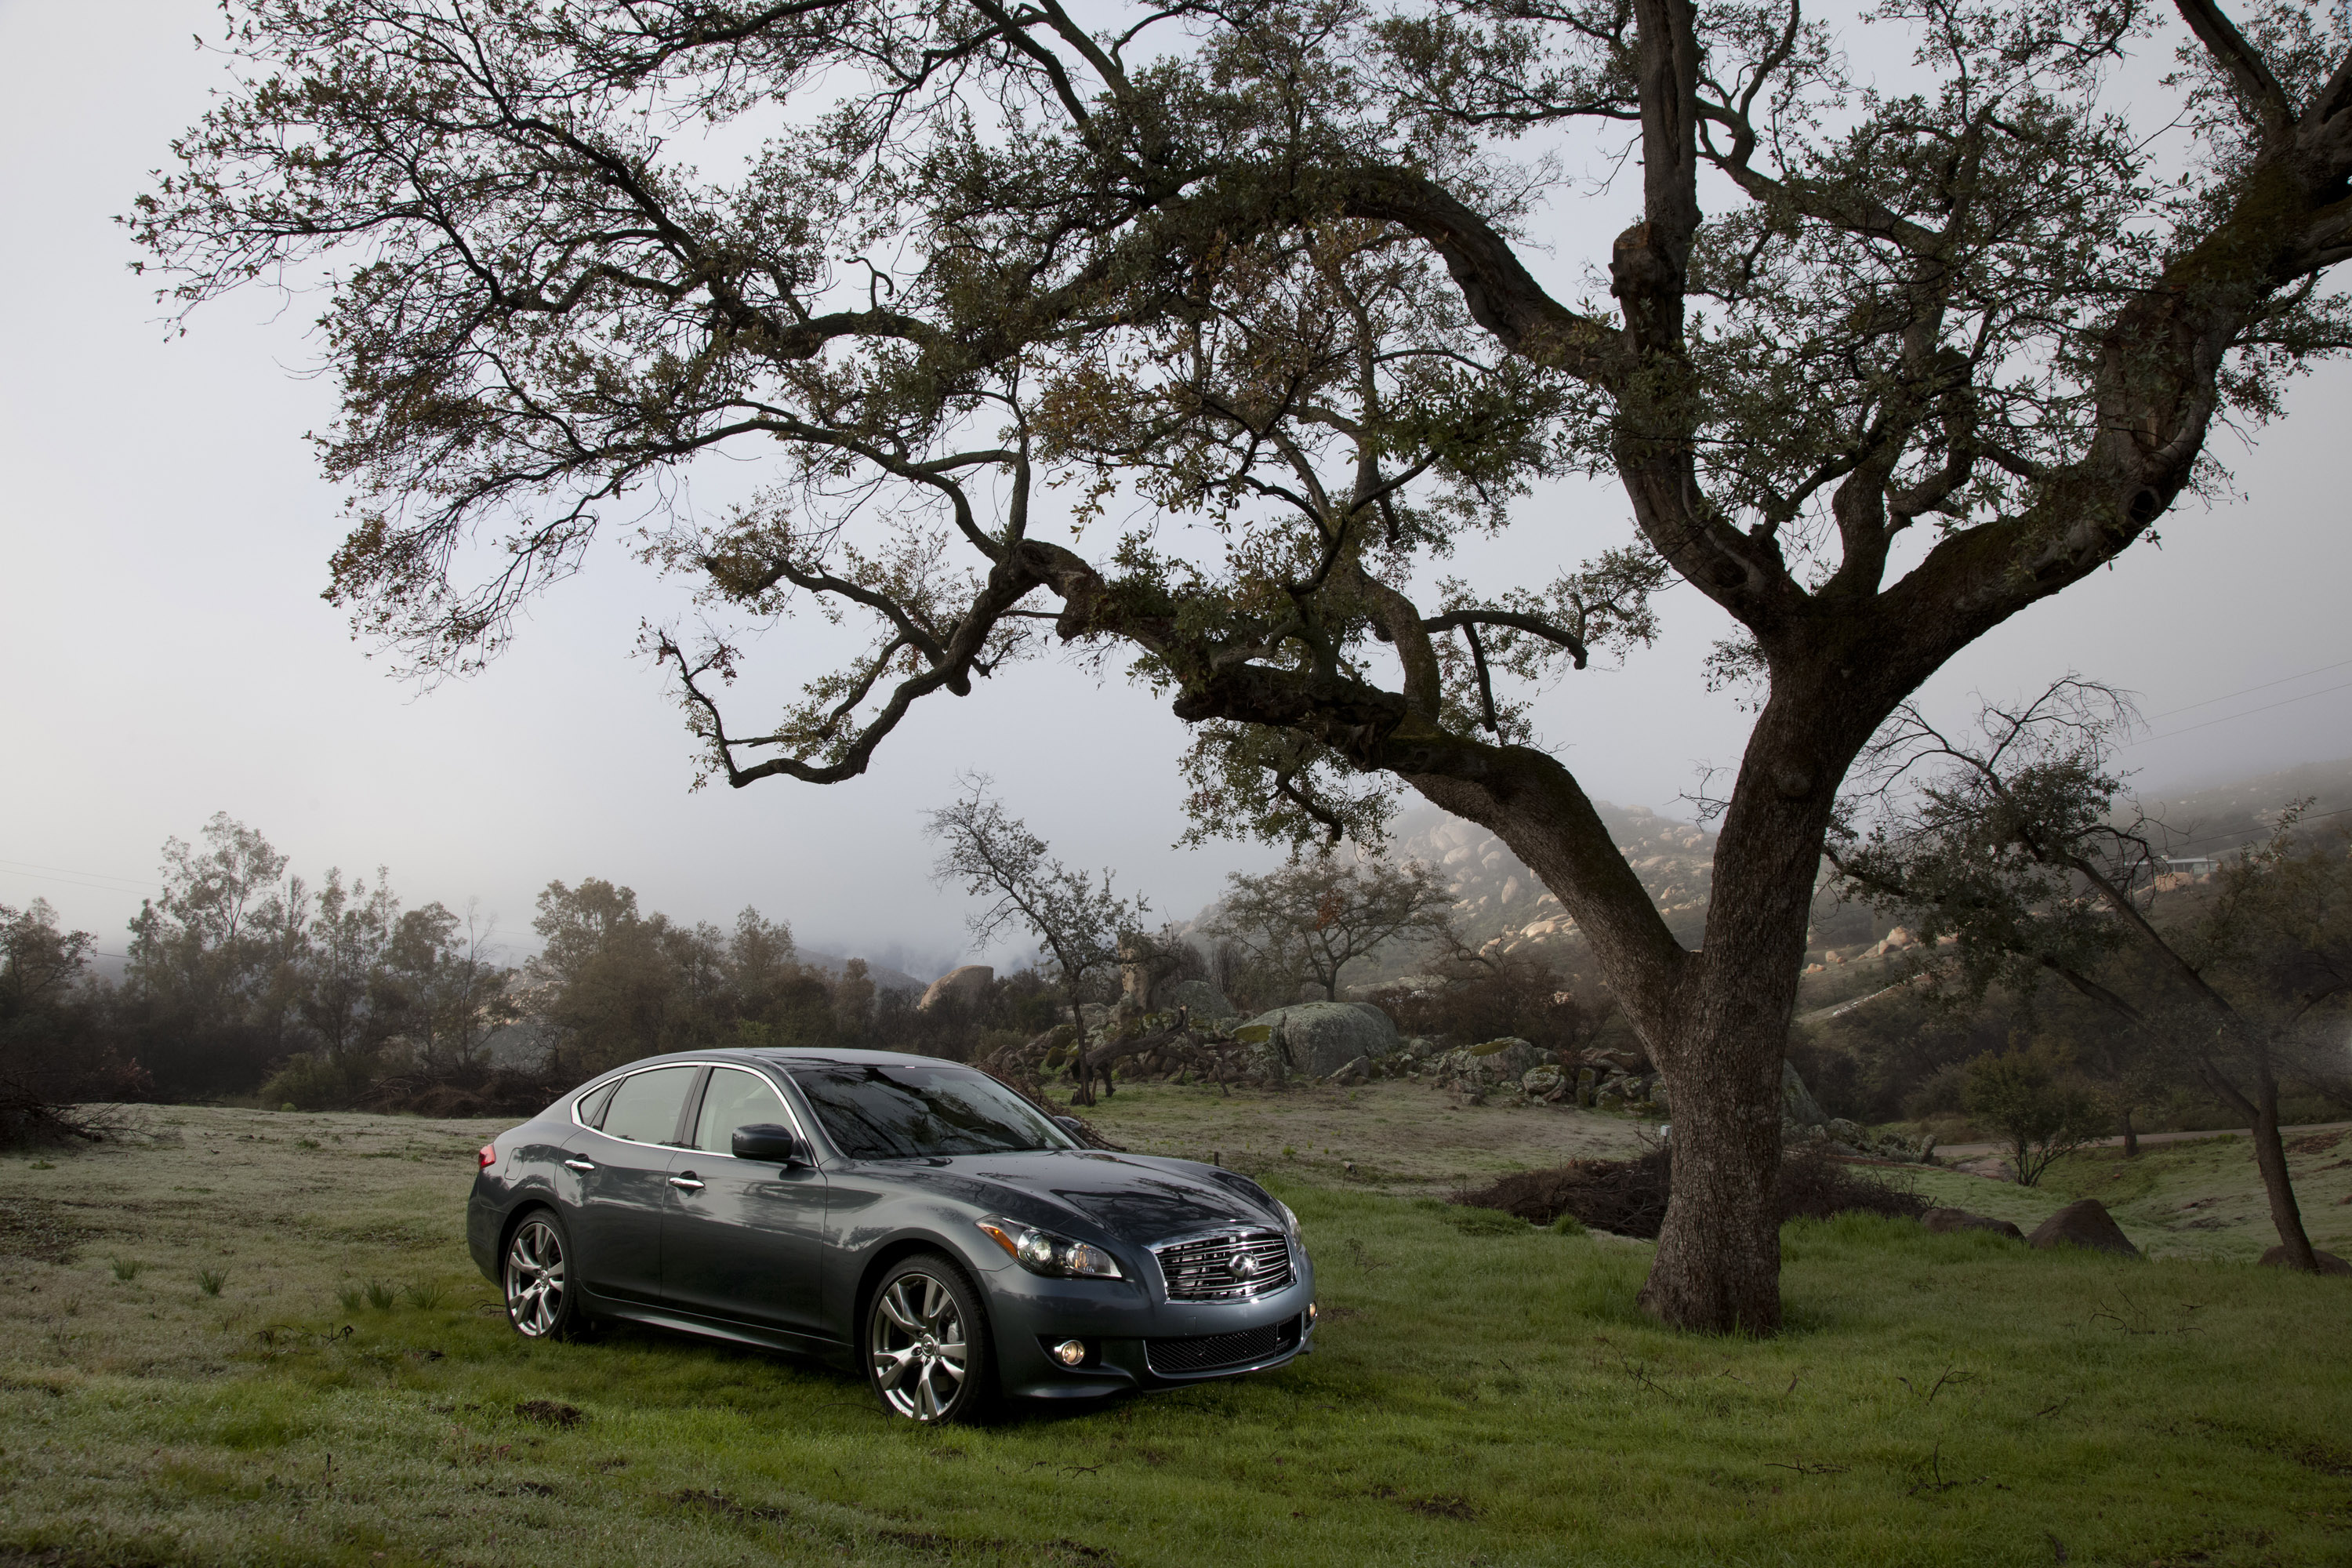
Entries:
{"x":624,"y":1166}
{"x":743,"y":1240}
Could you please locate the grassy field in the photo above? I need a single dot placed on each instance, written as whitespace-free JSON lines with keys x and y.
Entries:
{"x":254,"y":1338}
{"x":2198,"y":1198}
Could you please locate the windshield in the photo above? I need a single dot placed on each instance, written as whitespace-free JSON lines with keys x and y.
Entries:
{"x":901,"y":1111}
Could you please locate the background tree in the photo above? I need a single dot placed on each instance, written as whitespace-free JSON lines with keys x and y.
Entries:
{"x":441,"y":988}
{"x":349,"y":938}
{"x":2012,"y":845}
{"x":1262,"y":267}
{"x":1077,"y":921}
{"x":1308,"y":921}
{"x":55,"y":1055}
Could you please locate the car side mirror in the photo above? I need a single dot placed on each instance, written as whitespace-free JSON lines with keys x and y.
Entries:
{"x":767,"y":1143}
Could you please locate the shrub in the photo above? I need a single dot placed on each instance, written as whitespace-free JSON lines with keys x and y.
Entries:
{"x":1628,"y":1197}
{"x":2041,"y":1109}
{"x":308,"y":1081}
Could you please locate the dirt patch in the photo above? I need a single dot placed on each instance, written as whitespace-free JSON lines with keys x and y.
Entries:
{"x":2317,"y":1144}
{"x":1443,"y":1505}
{"x":45,"y":1231}
{"x":547,"y":1413}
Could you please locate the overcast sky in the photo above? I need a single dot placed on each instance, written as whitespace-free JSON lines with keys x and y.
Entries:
{"x":163,"y":536}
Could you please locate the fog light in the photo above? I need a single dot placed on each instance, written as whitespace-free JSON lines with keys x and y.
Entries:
{"x":1070,"y":1353}
{"x":1310,"y":1314}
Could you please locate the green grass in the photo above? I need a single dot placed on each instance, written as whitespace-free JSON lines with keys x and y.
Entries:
{"x":1482,"y":1393}
{"x":2198,"y":1198}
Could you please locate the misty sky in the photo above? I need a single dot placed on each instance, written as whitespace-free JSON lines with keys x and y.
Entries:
{"x":163,"y":538}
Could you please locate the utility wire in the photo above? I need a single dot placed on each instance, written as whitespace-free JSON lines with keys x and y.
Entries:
{"x":77,"y":871}
{"x":2265,"y":686}
{"x":2225,"y":718}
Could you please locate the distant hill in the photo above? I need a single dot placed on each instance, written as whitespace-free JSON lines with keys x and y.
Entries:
{"x":885,"y":978}
{"x":1497,"y":898}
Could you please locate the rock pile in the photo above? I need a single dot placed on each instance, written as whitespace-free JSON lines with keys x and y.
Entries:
{"x":1803,"y":1124}
{"x":1512,"y":1071}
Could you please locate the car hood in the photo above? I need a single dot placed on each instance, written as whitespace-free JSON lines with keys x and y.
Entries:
{"x":1134,"y":1197}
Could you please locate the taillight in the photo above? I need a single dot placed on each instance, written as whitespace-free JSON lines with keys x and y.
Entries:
{"x":490,"y":1155}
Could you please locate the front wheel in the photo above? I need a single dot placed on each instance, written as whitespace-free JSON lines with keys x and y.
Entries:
{"x":537,"y":1275}
{"x":927,"y":1351}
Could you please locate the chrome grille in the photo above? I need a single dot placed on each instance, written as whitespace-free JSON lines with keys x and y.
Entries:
{"x":1213,"y":1352}
{"x":1234,"y":1266}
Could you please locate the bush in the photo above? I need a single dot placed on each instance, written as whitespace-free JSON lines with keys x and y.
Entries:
{"x":311,"y":1081}
{"x":1628,"y":1197}
{"x":2039,"y":1107}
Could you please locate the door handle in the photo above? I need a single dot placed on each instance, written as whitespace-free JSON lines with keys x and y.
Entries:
{"x":686,"y":1183}
{"x":582,"y":1165}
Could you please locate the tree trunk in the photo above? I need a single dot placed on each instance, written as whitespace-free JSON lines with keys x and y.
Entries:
{"x":1085,"y":1095}
{"x":2131,"y":1136}
{"x":2270,"y":1158}
{"x":1718,"y":1262}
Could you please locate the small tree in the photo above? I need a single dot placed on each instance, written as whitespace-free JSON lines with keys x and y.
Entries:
{"x":2040,"y":1110}
{"x":1077,"y":920}
{"x":2014,"y":850}
{"x":1310,"y":919}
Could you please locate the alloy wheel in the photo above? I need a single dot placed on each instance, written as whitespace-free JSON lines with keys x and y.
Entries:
{"x":918,"y":1344}
{"x":535,"y":1279}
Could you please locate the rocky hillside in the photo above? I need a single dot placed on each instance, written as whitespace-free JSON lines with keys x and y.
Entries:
{"x":1497,"y":898}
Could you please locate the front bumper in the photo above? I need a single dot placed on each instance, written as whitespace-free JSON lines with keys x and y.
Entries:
{"x":1135,"y":1342}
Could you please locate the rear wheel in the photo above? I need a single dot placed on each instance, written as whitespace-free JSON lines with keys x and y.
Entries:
{"x":925,"y":1343}
{"x":536,"y":1274}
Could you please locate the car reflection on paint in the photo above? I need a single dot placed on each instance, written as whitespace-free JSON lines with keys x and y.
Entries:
{"x":914,"y":1216}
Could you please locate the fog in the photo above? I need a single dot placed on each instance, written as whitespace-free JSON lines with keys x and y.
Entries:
{"x":165,"y":533}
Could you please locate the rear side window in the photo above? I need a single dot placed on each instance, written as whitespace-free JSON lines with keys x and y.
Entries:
{"x":735,"y":1099}
{"x":644,"y":1108}
{"x":593,"y":1103}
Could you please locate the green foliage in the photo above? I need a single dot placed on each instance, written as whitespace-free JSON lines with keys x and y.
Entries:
{"x":2041,"y":1109}
{"x":210,"y":1280}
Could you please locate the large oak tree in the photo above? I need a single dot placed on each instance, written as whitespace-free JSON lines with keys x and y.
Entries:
{"x":1943,"y":347}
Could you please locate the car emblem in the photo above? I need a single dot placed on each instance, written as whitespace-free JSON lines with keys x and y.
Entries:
{"x":1244,"y":1266}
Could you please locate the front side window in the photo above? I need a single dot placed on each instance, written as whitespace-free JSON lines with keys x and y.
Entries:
{"x":733,"y":1098}
{"x":901,"y":1112}
{"x":644,"y":1108}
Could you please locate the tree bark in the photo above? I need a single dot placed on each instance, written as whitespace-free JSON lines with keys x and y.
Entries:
{"x":2270,"y":1158}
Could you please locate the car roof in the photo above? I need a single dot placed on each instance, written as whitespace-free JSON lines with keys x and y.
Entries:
{"x":814,"y":1057}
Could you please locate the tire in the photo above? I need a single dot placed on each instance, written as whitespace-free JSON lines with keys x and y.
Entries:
{"x":535,"y":1273}
{"x":924,"y":1343}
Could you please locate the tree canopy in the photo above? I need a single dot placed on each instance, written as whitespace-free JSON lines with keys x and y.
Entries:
{"x":1252,"y":285}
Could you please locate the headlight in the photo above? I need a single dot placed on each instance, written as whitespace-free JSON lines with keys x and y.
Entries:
{"x":1289,"y":1220}
{"x":1042,"y":1252}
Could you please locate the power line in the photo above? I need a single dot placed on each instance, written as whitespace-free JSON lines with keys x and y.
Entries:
{"x":2265,"y":686}
{"x":2225,"y":718}
{"x":2247,"y":832}
{"x":77,"y":871}
{"x":72,"y":882}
